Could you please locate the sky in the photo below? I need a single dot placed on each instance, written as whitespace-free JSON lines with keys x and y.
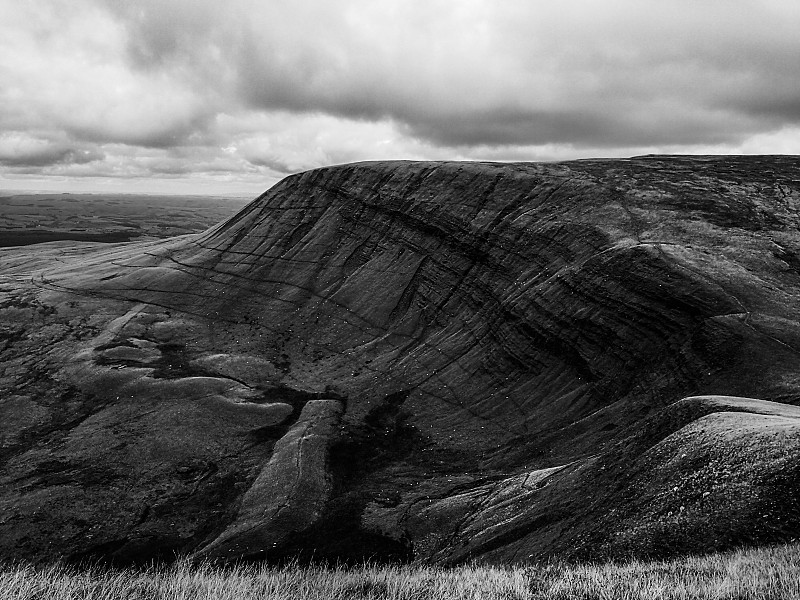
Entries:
{"x":228,"y":97}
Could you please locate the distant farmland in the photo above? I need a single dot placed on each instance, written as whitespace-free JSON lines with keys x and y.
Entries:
{"x":35,"y":218}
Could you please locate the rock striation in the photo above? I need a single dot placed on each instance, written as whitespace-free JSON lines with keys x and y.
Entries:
{"x":290,"y":493}
{"x":442,"y":362}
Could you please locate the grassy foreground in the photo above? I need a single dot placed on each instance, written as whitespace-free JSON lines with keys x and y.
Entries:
{"x":772,"y":573}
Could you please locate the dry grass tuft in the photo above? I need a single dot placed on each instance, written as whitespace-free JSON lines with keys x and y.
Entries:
{"x":770,"y":573}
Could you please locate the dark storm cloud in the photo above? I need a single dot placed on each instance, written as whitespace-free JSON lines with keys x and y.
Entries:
{"x":21,"y":151}
{"x":274,"y":164}
{"x":499,"y":128}
{"x":176,"y":132}
{"x":42,"y":158}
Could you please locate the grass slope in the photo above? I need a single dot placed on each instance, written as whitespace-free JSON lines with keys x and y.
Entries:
{"x":768,"y":573}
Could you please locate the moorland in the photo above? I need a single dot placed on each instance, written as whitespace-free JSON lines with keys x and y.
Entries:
{"x":449,"y":364}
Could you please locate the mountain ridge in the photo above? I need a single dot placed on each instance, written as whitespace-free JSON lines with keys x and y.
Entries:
{"x":501,"y":338}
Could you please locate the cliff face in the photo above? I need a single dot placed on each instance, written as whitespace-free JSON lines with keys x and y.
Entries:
{"x":439,"y":361}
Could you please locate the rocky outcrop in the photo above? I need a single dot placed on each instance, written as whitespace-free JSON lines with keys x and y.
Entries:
{"x":290,"y":493}
{"x":704,"y":472}
{"x":508,"y":345}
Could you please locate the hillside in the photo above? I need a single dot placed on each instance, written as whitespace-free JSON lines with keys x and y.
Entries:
{"x":431,"y":361}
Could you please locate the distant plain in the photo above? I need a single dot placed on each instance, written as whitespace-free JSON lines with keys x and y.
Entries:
{"x":32,"y":218}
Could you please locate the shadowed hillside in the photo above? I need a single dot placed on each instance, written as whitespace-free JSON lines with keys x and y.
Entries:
{"x":431,"y":361}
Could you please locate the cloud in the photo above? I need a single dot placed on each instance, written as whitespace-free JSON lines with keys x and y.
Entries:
{"x":19,"y":149}
{"x":477,"y":72}
{"x":181,"y":87}
{"x":65,"y":66}
{"x":285,"y":142}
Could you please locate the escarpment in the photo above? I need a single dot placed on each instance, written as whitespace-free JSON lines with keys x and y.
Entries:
{"x":431,"y":361}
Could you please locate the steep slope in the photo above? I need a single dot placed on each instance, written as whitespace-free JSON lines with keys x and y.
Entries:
{"x":502,"y":350}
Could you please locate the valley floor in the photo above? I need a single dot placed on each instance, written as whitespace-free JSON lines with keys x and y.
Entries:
{"x":768,"y":573}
